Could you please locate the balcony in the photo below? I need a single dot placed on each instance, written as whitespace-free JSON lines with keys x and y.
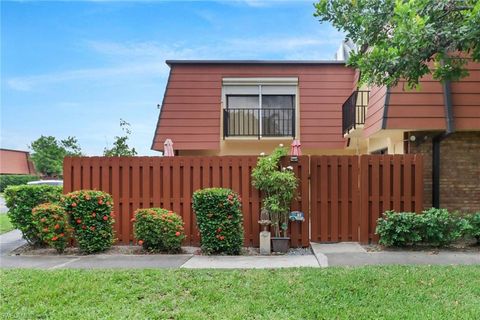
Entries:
{"x":354,"y":111}
{"x":256,"y":122}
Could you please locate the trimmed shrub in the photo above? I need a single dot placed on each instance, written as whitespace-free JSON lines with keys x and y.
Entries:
{"x":158,"y":229}
{"x":474,"y":222}
{"x":51,"y":221}
{"x":20,"y":201}
{"x":398,"y":229}
{"x":435,"y":227}
{"x":90,"y":215}
{"x":220,"y":220}
{"x":440,"y":228}
{"x":15,"y":180}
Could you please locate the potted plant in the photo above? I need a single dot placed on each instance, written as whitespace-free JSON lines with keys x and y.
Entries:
{"x":278,"y":185}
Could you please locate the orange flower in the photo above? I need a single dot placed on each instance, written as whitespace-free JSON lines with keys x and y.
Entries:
{"x":57,"y":226}
{"x":94,"y":214}
{"x":92,"y":228}
{"x":79,"y":221}
{"x":133,"y":220}
{"x":45,"y":229}
{"x":61,"y":235}
{"x":221,"y":237}
{"x":43,"y":220}
{"x":140,"y":242}
{"x":177,"y":233}
{"x":105,"y":218}
{"x":108,"y":203}
{"x":100,"y":202}
{"x":74,"y":204}
{"x":84,"y":227}
{"x":54,"y":238}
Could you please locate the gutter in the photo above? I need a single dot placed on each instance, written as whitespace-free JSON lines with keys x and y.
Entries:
{"x":437,"y":139}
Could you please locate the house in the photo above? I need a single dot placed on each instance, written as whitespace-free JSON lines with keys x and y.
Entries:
{"x":237,"y":107}
{"x":15,"y":162}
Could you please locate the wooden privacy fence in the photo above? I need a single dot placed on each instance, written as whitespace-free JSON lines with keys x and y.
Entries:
{"x":341,"y":196}
{"x":169,"y":182}
{"x":349,"y":193}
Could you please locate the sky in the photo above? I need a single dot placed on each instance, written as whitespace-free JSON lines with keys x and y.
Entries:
{"x":75,"y":68}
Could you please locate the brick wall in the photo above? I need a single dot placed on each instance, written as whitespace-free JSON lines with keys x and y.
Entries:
{"x":459,"y":169}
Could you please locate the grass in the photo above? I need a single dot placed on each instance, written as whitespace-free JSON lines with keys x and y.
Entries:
{"x":5,"y":224}
{"x":394,"y":292}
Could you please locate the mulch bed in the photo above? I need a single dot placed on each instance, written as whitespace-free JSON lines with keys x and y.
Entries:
{"x":28,"y":250}
{"x":460,"y":246}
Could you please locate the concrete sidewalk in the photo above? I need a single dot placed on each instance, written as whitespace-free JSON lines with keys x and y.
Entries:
{"x":339,"y":254}
{"x":353,"y":254}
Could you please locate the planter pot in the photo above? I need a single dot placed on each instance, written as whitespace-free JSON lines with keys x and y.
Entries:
{"x":280,"y":244}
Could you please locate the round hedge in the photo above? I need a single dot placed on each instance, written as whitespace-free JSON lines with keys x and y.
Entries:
{"x":91,"y":217}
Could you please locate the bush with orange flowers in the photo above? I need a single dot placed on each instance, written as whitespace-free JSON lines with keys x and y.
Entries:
{"x":158,"y":229}
{"x":91,"y":217}
{"x":219,"y":219}
{"x":51,"y":222}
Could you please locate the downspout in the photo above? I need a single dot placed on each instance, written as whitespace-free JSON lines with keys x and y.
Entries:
{"x":437,"y":139}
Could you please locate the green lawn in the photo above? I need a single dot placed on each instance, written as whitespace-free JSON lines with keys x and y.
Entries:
{"x":5,"y":224}
{"x":349,"y":293}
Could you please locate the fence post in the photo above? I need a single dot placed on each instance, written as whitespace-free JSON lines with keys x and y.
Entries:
{"x":364,"y":198}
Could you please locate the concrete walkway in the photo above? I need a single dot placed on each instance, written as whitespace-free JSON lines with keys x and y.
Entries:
{"x":340,"y":254}
{"x":353,"y":254}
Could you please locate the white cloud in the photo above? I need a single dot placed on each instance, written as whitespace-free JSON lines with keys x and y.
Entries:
{"x":127,"y":60}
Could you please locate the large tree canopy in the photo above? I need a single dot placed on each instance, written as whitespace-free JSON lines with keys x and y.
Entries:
{"x":407,"y":39}
{"x":48,"y":154}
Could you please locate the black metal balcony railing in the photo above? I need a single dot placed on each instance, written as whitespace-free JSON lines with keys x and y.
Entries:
{"x":354,"y":110}
{"x":254,"y":122}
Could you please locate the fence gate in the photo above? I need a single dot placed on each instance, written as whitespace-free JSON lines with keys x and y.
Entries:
{"x":349,"y":193}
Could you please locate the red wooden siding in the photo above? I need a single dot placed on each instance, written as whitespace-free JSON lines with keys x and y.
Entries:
{"x":423,"y":109}
{"x":169,"y":182}
{"x":191,"y":109}
{"x":375,"y":110}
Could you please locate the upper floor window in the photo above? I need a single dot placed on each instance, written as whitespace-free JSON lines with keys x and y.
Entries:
{"x":260,"y":110}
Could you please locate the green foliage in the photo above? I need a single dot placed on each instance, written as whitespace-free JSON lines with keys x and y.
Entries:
{"x":20,"y":201}
{"x":399,"y":39}
{"x":158,"y":229}
{"x":364,"y":292}
{"x":15,"y":180}
{"x":91,"y":217}
{"x":435,"y":227}
{"x":474,"y":222}
{"x":398,"y":229}
{"x":439,"y":227}
{"x":219,"y":219}
{"x":52,"y":225}
{"x":278,"y":186}
{"x":120,"y":146}
{"x":48,"y":154}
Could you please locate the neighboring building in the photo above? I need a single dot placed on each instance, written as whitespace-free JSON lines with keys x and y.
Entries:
{"x":15,"y":162}
{"x":248,"y":107}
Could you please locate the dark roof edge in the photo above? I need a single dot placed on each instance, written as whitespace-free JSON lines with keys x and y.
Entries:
{"x":13,"y":150}
{"x":307,"y":62}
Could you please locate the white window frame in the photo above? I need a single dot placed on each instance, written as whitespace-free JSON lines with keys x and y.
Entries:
{"x":260,"y":83}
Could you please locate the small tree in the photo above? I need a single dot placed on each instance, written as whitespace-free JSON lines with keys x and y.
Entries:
{"x":398,"y":39}
{"x":120,"y":146}
{"x":48,"y":154}
{"x":278,"y":186}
